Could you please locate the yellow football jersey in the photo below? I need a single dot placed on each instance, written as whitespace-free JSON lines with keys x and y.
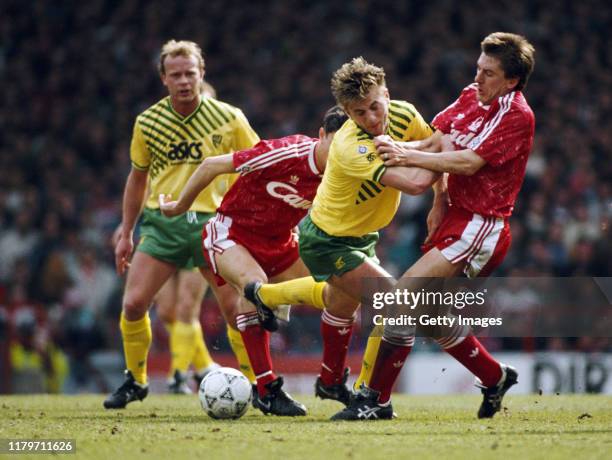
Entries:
{"x":351,"y":201}
{"x":171,"y":147}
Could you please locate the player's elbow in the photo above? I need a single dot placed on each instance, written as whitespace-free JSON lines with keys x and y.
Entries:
{"x":209,"y":168}
{"x":208,"y":163}
{"x":469,"y":169}
{"x":216,"y":165}
{"x":469,"y":163}
{"x":416,"y":186}
{"x":423,"y":182}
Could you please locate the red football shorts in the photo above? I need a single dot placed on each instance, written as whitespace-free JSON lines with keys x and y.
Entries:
{"x":482,"y":242}
{"x":274,"y":254}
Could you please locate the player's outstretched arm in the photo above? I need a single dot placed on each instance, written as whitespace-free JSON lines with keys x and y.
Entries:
{"x":431,"y":144}
{"x":210,"y":168}
{"x":464,"y":162}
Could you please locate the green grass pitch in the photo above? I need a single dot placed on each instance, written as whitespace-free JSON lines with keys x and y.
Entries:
{"x":169,"y":427}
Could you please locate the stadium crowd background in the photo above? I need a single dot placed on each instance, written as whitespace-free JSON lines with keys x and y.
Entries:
{"x":77,"y":73}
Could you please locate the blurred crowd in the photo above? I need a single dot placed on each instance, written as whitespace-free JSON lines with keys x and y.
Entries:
{"x":77,"y":73}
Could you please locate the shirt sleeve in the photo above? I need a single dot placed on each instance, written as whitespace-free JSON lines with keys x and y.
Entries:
{"x":244,"y":156}
{"x":503,"y":138}
{"x":244,"y":137}
{"x":139,"y":153}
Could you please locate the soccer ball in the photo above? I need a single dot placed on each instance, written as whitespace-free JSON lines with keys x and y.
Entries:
{"x":225,"y":393}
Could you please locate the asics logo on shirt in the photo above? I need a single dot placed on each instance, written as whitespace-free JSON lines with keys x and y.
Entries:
{"x":185,"y":151}
{"x":279,"y":190}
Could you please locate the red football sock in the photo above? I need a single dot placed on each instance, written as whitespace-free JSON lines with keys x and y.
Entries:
{"x":389,"y":362}
{"x":257,"y":344}
{"x":336,"y":333}
{"x":475,"y":357}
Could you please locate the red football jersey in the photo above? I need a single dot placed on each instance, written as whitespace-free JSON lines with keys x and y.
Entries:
{"x":502,"y":134}
{"x":278,"y":181}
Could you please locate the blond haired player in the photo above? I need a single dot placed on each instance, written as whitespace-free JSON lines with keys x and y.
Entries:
{"x":170,"y":140}
{"x":358,"y":196}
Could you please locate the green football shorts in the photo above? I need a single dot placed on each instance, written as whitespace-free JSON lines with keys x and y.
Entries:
{"x":326,"y":255}
{"x":177,"y":240}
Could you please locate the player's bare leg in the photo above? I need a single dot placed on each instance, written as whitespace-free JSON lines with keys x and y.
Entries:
{"x":459,"y":342}
{"x":145,"y":277}
{"x":229,"y":299}
{"x":341,"y":295}
{"x":238,"y":267}
{"x":301,"y":288}
{"x":165,"y":302}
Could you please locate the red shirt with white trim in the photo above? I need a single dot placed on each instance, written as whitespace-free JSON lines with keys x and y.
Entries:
{"x":502,"y":134}
{"x":277,"y":183}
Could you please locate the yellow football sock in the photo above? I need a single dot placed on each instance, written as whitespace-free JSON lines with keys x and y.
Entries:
{"x":201,"y":358}
{"x":237,"y":344}
{"x":298,"y":291}
{"x":369,"y":357}
{"x":137,"y":337}
{"x":182,"y":346}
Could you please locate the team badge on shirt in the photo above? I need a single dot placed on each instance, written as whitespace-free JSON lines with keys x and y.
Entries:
{"x":217,"y":139}
{"x":362,"y":149}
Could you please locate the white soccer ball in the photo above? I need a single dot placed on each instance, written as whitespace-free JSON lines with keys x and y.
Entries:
{"x":225,"y":393}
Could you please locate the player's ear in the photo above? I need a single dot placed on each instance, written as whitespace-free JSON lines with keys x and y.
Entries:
{"x":321,"y":133}
{"x":511,"y":83}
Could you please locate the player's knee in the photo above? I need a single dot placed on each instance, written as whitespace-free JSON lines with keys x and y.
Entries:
{"x":248,"y":277}
{"x":398,"y":331}
{"x":166,"y":315}
{"x":187,"y":310}
{"x":339,"y":304}
{"x":134,"y":306}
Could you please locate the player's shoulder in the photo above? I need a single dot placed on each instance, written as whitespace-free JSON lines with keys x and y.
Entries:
{"x":297,"y":139}
{"x":520,"y":103}
{"x":398,"y":107}
{"x":285,"y":142}
{"x":160,"y":108}
{"x":228,"y":111}
{"x":468,"y":96}
{"x":516,"y":104}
